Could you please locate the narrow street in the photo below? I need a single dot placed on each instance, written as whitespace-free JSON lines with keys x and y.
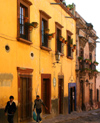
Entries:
{"x":92,"y":118}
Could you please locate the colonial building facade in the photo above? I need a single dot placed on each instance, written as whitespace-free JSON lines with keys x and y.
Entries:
{"x":85,"y":65}
{"x":32,"y":36}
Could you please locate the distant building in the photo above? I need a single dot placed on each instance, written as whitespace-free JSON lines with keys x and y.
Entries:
{"x":98,"y":88}
{"x":85,"y":64}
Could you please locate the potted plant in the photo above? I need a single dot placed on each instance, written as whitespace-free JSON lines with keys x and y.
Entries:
{"x":86,"y":60}
{"x":30,"y":25}
{"x":70,"y":6}
{"x":74,"y":46}
{"x":60,"y":38}
{"x":66,"y":41}
{"x":50,"y":36}
{"x":96,"y":63}
{"x":46,"y":31}
{"x":64,"y":3}
{"x":63,"y":40}
{"x":72,"y":49}
{"x":80,"y":58}
{"x":71,"y":43}
{"x":95,"y":71}
{"x":35,"y":24}
{"x":26,"y":19}
{"x":89,"y":61}
{"x":53,"y":35}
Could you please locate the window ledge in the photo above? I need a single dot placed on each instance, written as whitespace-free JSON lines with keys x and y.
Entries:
{"x":24,"y":41}
{"x":70,"y":57}
{"x":45,"y":48}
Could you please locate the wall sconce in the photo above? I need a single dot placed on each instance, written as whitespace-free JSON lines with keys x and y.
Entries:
{"x":57,"y":56}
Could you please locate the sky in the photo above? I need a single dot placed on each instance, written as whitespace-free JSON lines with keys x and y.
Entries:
{"x":90,"y":11}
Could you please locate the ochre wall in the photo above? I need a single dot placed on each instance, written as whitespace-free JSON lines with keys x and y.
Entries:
{"x":19,"y":54}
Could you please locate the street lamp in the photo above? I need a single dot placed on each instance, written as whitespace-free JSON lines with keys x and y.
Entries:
{"x":57,"y":55}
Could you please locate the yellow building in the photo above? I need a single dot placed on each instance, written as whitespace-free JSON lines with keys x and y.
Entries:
{"x":28,"y":64}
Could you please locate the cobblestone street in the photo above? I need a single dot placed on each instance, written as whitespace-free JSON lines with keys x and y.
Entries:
{"x":92,"y":118}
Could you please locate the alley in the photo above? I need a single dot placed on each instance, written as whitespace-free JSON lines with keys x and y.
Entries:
{"x":92,"y":118}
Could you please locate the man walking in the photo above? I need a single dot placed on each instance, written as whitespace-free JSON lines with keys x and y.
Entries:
{"x":11,"y":109}
{"x":37,"y":104}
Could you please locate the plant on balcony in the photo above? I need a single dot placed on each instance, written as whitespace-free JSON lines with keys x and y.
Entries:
{"x":86,"y":60}
{"x":53,"y":35}
{"x":49,"y":36}
{"x":30,"y":25}
{"x":66,"y":41}
{"x":74,"y":46}
{"x":63,"y":40}
{"x":64,"y":3}
{"x":96,"y":63}
{"x":71,"y":43}
{"x":80,"y":58}
{"x":95,"y":71}
{"x":87,"y":70}
{"x":46,"y":31}
{"x":72,"y":49}
{"x":60,"y":38}
{"x":89,"y":61}
{"x":70,"y":6}
{"x":35,"y":24}
{"x":26,"y":19}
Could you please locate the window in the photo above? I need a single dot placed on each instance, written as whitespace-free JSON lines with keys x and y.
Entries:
{"x":23,"y":10}
{"x":44,"y":36}
{"x":44,"y":42}
{"x":23,"y":28}
{"x":59,"y":45}
{"x":90,"y":57}
{"x":69,"y":48}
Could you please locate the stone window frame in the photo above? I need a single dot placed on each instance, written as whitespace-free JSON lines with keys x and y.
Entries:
{"x":69,"y":33}
{"x":58,"y":26}
{"x":45,"y":16}
{"x":27,"y":4}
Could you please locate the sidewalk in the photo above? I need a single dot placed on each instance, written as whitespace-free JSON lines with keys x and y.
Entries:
{"x":72,"y":116}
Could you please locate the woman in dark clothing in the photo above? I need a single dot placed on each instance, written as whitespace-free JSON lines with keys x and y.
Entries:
{"x":37,"y":104}
{"x":11,"y":109}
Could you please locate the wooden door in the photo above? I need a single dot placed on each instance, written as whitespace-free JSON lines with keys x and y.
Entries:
{"x":91,"y":101}
{"x":25,"y":109}
{"x":82,"y":95}
{"x":61,"y":95}
{"x":46,"y":95}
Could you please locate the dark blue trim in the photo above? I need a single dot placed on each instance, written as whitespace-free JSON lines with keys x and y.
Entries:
{"x":69,"y":86}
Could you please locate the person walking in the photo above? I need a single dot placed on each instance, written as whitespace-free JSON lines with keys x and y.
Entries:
{"x":10,"y":109}
{"x":37,"y":104}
